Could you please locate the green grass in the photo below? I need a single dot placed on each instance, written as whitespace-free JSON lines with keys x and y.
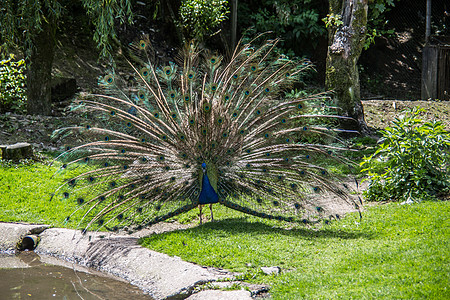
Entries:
{"x":394,"y":252}
{"x":26,"y":190}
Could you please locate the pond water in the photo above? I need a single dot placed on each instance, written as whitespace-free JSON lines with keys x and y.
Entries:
{"x":29,"y":276}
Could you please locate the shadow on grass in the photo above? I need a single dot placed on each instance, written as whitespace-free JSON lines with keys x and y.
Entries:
{"x":241,"y":225}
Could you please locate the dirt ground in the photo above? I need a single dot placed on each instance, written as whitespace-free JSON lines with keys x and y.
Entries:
{"x":37,"y":130}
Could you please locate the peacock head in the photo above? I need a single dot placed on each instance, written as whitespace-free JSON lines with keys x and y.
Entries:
{"x":204,"y":167}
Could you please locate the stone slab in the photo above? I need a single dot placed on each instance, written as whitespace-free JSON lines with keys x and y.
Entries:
{"x":221,"y":295}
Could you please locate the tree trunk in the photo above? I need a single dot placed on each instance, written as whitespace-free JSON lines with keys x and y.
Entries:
{"x":39,"y":68}
{"x":346,"y":42}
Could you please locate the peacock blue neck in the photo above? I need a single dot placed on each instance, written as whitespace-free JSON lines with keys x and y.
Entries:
{"x":208,"y":194}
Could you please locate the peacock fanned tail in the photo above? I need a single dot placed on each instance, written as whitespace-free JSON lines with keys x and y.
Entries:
{"x":141,"y":149}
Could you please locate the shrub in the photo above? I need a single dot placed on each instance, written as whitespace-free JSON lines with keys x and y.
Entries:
{"x":199,"y":18}
{"x":12,"y":85}
{"x":412,"y":160}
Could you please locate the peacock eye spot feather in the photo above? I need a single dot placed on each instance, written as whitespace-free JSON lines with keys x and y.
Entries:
{"x":86,"y":159}
{"x":68,"y":148}
{"x":248,"y":151}
{"x":146,"y":177}
{"x":161,"y":158}
{"x":125,"y":167}
{"x":246,"y":92}
{"x":276,"y":203}
{"x":267,"y":135}
{"x":224,"y":134}
{"x":258,"y":112}
{"x":106,"y":164}
{"x":66,"y":195}
{"x":248,"y":165}
{"x":144,"y":159}
{"x":167,"y":168}
{"x":129,"y":124}
{"x":122,"y":151}
{"x":156,"y":115}
{"x":174,"y":116}
{"x":234,"y":114}
{"x":101,"y":198}
{"x":113,"y":113}
{"x":80,"y":201}
{"x":316,"y":189}
{"x":120,"y":217}
{"x":283,"y":121}
{"x":64,"y":166}
{"x":288,"y":140}
{"x":305,"y":128}
{"x":297,"y":205}
{"x":91,"y":179}
{"x":143,"y":140}
{"x":88,"y":127}
{"x":112,"y":184}
{"x":106,"y":138}
{"x":172,"y":178}
{"x":139,"y":209}
{"x":187,"y":166}
{"x":299,"y":106}
{"x":267,"y":90}
{"x":307,"y":156}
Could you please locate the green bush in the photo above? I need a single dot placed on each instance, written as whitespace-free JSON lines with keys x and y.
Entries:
{"x":199,"y":18}
{"x":412,"y":160}
{"x":12,"y":85}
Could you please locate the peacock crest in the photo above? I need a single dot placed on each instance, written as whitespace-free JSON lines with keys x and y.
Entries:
{"x":200,"y":131}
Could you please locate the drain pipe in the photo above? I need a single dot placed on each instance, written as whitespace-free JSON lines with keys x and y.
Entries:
{"x":29,"y":242}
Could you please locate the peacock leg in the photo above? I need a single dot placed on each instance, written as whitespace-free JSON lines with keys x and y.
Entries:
{"x":200,"y":210}
{"x":210,"y":207}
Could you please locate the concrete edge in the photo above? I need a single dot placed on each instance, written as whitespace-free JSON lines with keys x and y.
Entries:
{"x":159,"y":275}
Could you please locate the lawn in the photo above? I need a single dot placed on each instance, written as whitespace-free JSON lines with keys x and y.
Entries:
{"x":395,"y":251}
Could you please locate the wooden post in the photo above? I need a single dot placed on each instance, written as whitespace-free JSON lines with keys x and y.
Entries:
{"x":234,"y":4}
{"x":428,"y":21}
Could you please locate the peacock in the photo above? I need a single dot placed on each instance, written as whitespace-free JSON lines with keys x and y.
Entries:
{"x":202,"y":130}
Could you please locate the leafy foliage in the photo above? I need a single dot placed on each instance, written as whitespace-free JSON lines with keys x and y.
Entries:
{"x":412,"y":161}
{"x":199,"y":18}
{"x":12,"y":84}
{"x":296,"y":22}
{"x":377,"y":22}
{"x":23,"y":20}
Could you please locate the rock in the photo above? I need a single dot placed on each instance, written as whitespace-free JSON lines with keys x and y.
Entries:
{"x":16,"y":151}
{"x":271,"y":270}
{"x":221,"y":295}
